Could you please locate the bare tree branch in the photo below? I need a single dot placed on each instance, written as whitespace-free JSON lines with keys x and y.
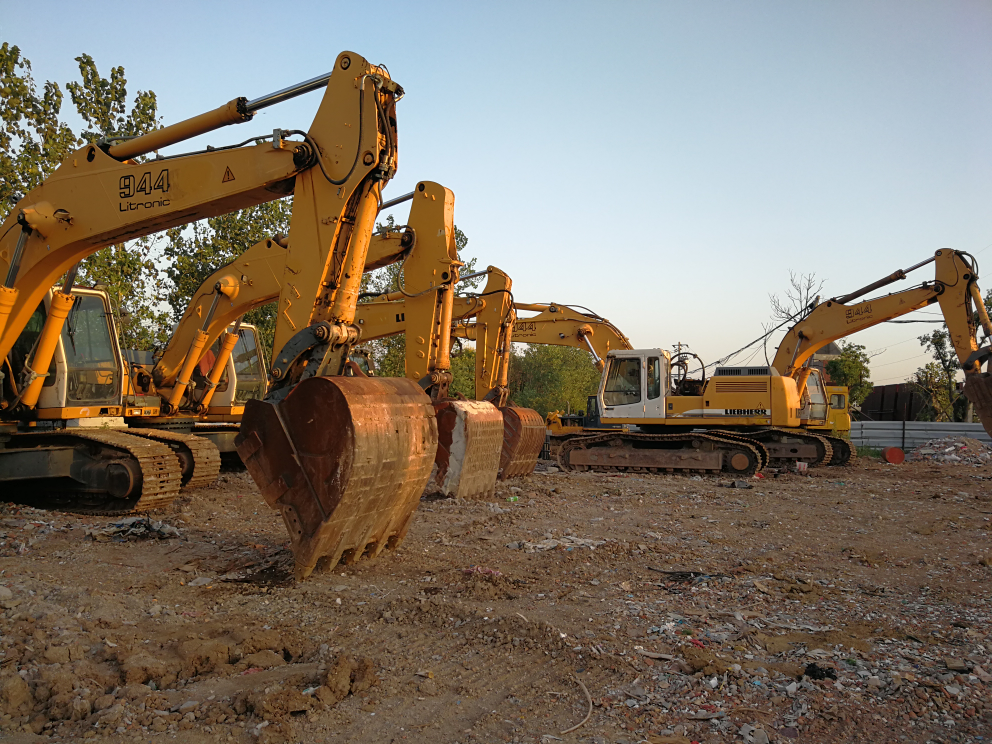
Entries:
{"x":803,"y":290}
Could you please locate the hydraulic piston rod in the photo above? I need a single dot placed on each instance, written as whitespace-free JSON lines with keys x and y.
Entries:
{"x":233,"y":112}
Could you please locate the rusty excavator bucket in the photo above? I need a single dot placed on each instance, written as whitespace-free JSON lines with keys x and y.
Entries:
{"x":978,"y":390}
{"x":470,"y":441}
{"x":523,"y":438}
{"x":345,"y":462}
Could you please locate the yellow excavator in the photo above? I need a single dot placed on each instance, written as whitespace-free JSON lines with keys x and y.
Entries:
{"x":92,"y":383}
{"x":562,"y":325}
{"x":743,"y":418}
{"x":102,"y":194}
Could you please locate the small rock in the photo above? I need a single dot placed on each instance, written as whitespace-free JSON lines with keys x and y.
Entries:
{"x":981,"y":674}
{"x":15,"y":696}
{"x":112,"y":715}
{"x":5,"y":593}
{"x":956,"y":665}
{"x":103,"y":702}
{"x":136,"y":691}
{"x":753,"y":735}
{"x":791,"y":688}
{"x":201,"y":581}
{"x":262,"y":660}
{"x":190,"y":705}
{"x":80,"y":709}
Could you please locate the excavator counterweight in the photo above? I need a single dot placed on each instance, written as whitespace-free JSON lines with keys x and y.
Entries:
{"x":344,"y":460}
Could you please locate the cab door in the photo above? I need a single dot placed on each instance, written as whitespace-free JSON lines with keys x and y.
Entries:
{"x":656,"y":385}
{"x":622,"y":390}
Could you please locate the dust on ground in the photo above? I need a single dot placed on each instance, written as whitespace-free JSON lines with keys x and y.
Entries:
{"x":851,"y":604}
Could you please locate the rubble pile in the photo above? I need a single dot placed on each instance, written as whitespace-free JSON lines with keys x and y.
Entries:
{"x":953,"y":450}
{"x":134,"y":528}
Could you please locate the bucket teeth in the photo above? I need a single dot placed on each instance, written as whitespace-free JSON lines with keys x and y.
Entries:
{"x":345,"y":460}
{"x":524,"y":432}
{"x":470,"y":440}
{"x":978,"y":389}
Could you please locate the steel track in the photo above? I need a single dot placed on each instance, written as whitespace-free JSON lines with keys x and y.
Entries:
{"x":206,"y":456}
{"x":160,"y":472}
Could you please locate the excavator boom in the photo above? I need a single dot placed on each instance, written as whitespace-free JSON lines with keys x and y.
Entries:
{"x":954,"y":289}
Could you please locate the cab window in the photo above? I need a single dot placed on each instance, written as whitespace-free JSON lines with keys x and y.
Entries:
{"x":90,"y":353}
{"x":654,"y":378}
{"x":248,"y":367}
{"x":623,"y":382}
{"x":838,"y":402}
{"x":23,"y":349}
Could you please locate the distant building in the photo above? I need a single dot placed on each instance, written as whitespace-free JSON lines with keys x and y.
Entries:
{"x":824,"y":355}
{"x":900,"y":402}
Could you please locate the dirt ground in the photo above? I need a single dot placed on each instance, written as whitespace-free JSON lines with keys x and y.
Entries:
{"x":849,"y":604}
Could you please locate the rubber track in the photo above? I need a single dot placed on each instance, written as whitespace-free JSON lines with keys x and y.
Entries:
{"x":206,"y":456}
{"x":160,"y":473}
{"x":756,"y":449}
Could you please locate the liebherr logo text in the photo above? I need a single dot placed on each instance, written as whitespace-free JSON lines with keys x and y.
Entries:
{"x":746,"y":412}
{"x":131,"y":187}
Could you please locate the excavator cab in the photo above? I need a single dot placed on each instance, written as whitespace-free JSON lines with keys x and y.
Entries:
{"x":815,"y":409}
{"x":838,"y":413}
{"x":244,"y":377}
{"x":634,"y":385}
{"x":84,"y":378}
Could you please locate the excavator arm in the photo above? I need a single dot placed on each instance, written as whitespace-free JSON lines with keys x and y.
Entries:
{"x":101,"y":195}
{"x":954,"y":288}
{"x":560,"y":325}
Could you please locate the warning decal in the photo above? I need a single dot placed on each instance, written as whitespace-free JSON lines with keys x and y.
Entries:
{"x":228,"y":176}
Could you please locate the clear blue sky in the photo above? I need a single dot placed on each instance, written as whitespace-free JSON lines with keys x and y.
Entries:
{"x":665,"y":164}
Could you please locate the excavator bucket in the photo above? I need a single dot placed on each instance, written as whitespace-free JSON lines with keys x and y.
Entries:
{"x":345,"y":460}
{"x":470,"y":439}
{"x":978,"y":389}
{"x":523,"y":438}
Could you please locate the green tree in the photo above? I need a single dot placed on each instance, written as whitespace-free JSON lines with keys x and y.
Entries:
{"x":463,"y":372}
{"x":552,"y":378}
{"x":851,"y":369}
{"x":33,"y":142}
{"x":196,"y":251}
{"x":931,"y":381}
{"x":32,"y":139}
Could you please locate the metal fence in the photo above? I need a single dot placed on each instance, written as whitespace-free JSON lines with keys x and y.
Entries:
{"x":910,"y":434}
